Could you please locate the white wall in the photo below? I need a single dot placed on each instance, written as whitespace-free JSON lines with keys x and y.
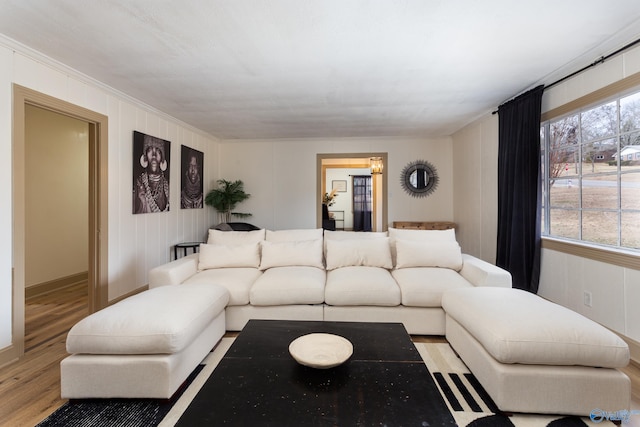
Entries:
{"x":475,"y":195}
{"x":615,"y":290}
{"x":136,"y":242}
{"x":6,"y":73}
{"x":281,"y":175}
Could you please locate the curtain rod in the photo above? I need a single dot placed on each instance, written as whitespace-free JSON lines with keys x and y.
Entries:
{"x":600,"y":60}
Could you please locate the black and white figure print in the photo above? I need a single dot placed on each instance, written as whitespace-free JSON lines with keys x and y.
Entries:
{"x":191,"y":178}
{"x":151,"y":160}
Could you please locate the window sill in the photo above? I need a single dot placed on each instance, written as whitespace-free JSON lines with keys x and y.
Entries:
{"x":619,"y":257}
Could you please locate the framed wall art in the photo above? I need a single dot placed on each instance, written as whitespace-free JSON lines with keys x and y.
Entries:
{"x":339,"y":185}
{"x":191,"y":178}
{"x":151,"y":165}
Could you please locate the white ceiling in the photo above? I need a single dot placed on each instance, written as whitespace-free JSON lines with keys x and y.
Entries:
{"x":323,"y":68}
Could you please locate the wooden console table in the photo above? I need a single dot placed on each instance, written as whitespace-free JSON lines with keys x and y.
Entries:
{"x":424,"y":225}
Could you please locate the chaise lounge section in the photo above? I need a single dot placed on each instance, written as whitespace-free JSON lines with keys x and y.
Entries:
{"x":534,"y":356}
{"x":145,"y":345}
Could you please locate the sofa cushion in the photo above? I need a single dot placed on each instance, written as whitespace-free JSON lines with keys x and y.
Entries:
{"x":294,"y":253}
{"x":396,"y":234}
{"x":235,"y":237}
{"x":289,"y":285}
{"x":424,"y":286}
{"x":354,"y":235}
{"x":448,"y":235}
{"x":516,"y":326}
{"x":352,"y":253}
{"x":351,"y":235}
{"x":163,"y":320}
{"x":444,"y":254}
{"x":361,"y":286}
{"x":294,"y":235}
{"x":225,"y":256}
{"x":237,"y":281}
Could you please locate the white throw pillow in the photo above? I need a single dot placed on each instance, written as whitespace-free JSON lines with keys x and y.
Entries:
{"x":428,"y":254}
{"x":223,"y":256}
{"x":368,"y":252}
{"x":396,"y":234}
{"x":288,"y":254}
{"x":234,"y":238}
{"x":294,"y":235}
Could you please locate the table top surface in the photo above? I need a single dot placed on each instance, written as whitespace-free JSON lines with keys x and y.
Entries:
{"x":187,"y":244}
{"x":385,"y":382}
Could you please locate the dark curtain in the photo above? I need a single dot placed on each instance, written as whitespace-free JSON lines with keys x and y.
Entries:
{"x":519,"y":189}
{"x":421,"y":179}
{"x":362,"y":203}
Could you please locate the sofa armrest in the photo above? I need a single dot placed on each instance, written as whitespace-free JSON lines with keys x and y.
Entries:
{"x":482,"y":273}
{"x":174,"y":272}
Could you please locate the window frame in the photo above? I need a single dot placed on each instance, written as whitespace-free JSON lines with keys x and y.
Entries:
{"x":617,"y":255}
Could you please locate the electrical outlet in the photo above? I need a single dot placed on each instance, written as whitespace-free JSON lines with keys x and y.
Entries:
{"x":588,"y":300}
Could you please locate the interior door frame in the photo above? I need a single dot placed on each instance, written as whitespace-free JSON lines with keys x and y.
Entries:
{"x":98,"y":206}
{"x":321,"y":179}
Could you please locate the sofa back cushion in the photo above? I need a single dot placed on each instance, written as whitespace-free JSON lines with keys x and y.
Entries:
{"x":422,"y":235}
{"x":228,"y":256}
{"x":234,"y":238}
{"x":351,"y":235}
{"x":293,"y":235}
{"x":354,"y":235}
{"x":445,"y":254}
{"x":307,"y":253}
{"x":363,"y":252}
{"x":396,"y":234}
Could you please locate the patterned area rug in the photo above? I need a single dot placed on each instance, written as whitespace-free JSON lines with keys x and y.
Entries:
{"x":467,"y":401}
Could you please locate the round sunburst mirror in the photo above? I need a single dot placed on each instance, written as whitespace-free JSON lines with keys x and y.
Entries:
{"x":419,"y":178}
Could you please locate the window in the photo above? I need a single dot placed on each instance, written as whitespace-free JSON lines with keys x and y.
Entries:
{"x":591,"y":164}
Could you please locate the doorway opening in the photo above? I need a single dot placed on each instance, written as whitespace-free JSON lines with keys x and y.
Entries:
{"x":97,"y":125}
{"x":335,"y":172}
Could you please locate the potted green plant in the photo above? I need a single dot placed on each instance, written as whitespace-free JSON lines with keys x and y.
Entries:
{"x":225,"y":198}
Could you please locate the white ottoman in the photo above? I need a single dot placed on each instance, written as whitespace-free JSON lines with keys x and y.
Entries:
{"x":532,"y":355}
{"x":144,"y":346}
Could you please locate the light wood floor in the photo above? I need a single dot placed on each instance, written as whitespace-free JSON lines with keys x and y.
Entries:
{"x":30,"y":388}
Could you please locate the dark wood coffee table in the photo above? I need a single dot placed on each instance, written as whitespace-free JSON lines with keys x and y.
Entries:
{"x":258,"y":383}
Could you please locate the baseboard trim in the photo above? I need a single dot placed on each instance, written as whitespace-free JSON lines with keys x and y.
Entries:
{"x":54,"y":285}
{"x":128,"y":294}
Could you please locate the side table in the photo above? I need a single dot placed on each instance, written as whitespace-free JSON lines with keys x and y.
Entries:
{"x":184,"y":246}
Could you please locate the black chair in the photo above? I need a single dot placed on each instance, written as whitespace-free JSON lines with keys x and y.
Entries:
{"x":328,"y":223}
{"x":235,"y":226}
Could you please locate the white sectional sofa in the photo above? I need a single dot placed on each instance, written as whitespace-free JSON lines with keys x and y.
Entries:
{"x":315,"y":274}
{"x":146,"y":345}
